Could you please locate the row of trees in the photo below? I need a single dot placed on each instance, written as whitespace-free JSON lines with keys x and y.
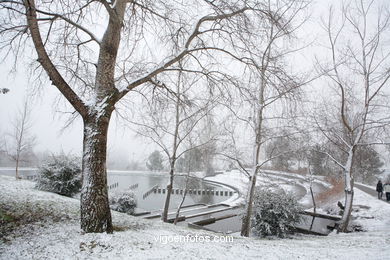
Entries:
{"x":196,"y":159}
{"x":167,"y":68}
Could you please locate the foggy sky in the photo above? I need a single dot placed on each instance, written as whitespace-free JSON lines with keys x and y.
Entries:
{"x":47,"y":123}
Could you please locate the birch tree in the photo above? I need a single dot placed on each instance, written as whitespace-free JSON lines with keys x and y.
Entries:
{"x":359,"y":73}
{"x":96,"y":52}
{"x":271,"y":85}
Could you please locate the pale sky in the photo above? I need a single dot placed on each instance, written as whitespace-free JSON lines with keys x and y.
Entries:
{"x":47,"y":123}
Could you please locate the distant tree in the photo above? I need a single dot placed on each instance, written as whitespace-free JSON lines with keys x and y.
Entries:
{"x":294,"y":151}
{"x":21,"y":139}
{"x":3,"y":151}
{"x":209,"y":150}
{"x":2,"y":143}
{"x":367,"y":164}
{"x":318,"y":161}
{"x":282,"y":146}
{"x":134,"y":165}
{"x":192,"y":159}
{"x":154,"y":162}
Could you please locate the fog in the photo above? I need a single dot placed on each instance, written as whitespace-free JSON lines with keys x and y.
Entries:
{"x":50,"y":111}
{"x":50,"y":114}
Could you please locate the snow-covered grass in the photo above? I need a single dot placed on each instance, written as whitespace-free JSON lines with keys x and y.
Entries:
{"x":54,"y":233}
{"x":240,"y":181}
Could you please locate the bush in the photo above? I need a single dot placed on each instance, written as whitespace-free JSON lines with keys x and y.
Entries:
{"x":124,"y":202}
{"x":274,"y":213}
{"x":61,"y":175}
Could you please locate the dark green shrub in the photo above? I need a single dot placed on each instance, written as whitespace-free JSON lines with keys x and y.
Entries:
{"x":61,"y":175}
{"x":124,"y":202}
{"x":274,"y":213}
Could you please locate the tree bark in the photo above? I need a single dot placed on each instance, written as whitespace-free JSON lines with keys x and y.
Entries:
{"x":349,"y":181}
{"x":347,"y":211}
{"x":17,"y":169}
{"x":246,"y":222}
{"x":95,"y":210}
{"x":164,"y":216}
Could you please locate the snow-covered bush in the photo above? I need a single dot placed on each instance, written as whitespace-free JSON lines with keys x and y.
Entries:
{"x":274,"y":213}
{"x":61,"y":174}
{"x":124,"y":202}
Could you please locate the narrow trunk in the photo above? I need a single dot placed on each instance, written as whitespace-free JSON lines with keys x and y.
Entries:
{"x":182,"y":200}
{"x":347,"y":211}
{"x":95,"y":210}
{"x":348,"y":178}
{"x":17,"y":169}
{"x":246,"y":221}
{"x":164,"y":216}
{"x":180,"y":206}
{"x":258,"y":124}
{"x":349,"y":194}
{"x":312,"y":198}
{"x":172,"y":159}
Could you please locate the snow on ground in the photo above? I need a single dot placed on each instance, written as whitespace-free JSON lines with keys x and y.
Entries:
{"x":56,"y":234}
{"x":235,"y":178}
{"x":373,"y":187}
{"x":376,"y":218}
{"x":300,"y":176}
{"x":292,"y":185}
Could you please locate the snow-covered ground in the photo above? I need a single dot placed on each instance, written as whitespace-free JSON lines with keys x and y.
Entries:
{"x":51,"y":231}
{"x":291,"y":183}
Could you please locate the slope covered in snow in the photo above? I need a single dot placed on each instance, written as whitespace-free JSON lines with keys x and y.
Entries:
{"x":51,"y":231}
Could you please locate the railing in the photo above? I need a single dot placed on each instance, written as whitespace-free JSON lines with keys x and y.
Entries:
{"x":113,"y":186}
{"x":197,"y":192}
{"x":153,"y":189}
{"x":133,"y":187}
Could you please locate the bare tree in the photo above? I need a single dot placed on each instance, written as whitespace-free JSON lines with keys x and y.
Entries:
{"x":3,"y":146}
{"x":66,"y":37}
{"x":170,"y":118}
{"x":189,"y":167}
{"x":359,"y":73}
{"x":270,"y":84}
{"x":21,"y":139}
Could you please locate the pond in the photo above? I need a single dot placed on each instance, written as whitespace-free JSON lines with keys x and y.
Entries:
{"x":147,"y":183}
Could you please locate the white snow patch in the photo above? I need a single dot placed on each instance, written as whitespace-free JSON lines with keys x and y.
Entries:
{"x":140,"y":238}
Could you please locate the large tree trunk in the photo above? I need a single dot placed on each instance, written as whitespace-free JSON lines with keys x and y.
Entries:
{"x":95,"y":210}
{"x":164,"y":216}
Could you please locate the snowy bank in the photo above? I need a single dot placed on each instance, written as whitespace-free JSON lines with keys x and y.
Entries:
{"x":135,"y":238}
